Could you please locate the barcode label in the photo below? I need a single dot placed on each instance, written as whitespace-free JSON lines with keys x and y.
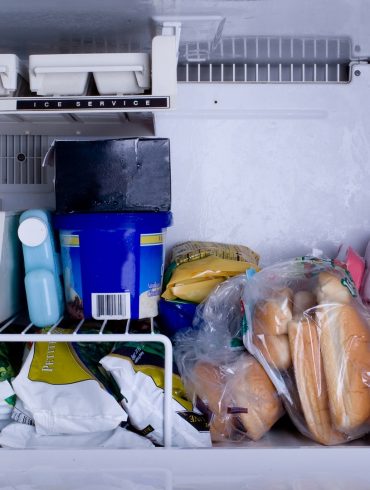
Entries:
{"x":20,"y":417}
{"x":112,"y":306}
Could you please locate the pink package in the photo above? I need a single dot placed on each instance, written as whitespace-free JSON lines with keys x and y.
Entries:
{"x":365,"y":292}
{"x":355,"y":264}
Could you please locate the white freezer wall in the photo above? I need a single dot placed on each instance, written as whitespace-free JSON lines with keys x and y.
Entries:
{"x":281,"y":168}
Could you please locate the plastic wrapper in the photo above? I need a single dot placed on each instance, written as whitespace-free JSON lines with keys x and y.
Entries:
{"x":193,"y":250}
{"x":306,"y":324}
{"x":225,"y":382}
{"x":63,"y":389}
{"x":138,"y":370}
{"x":194,"y":280}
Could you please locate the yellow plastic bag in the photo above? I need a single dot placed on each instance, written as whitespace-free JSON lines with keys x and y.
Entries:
{"x":193,"y":281}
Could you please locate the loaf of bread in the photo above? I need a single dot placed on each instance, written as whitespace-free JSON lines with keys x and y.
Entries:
{"x":345,"y":348}
{"x":240,"y":397}
{"x":251,"y":388}
{"x":311,"y":382}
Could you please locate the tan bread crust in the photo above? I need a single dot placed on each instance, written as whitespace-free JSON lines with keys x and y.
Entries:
{"x":345,"y":348}
{"x":330,"y":290}
{"x":302,"y":301}
{"x":275,"y":349}
{"x":208,"y":384}
{"x":271,"y":317}
{"x":252,"y":388}
{"x":310,"y":380}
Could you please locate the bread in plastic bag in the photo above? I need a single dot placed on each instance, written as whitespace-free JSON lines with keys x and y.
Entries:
{"x":220,"y":377}
{"x":306,"y":324}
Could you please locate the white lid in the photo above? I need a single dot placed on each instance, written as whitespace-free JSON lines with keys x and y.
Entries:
{"x":32,"y":232}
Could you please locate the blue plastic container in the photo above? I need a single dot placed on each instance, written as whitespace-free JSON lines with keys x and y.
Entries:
{"x":42,"y":266}
{"x":112,"y":263}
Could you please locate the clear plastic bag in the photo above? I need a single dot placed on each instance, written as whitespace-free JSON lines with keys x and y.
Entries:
{"x":306,"y":324}
{"x":220,"y":377}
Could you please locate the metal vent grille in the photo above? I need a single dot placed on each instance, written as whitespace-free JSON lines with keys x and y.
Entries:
{"x":259,"y":72}
{"x":266,"y":59}
{"x":21,"y":159}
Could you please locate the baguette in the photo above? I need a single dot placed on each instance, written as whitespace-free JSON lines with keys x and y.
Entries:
{"x":310,"y":381}
{"x":345,"y":347}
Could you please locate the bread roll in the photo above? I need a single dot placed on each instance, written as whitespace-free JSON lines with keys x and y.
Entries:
{"x":271,"y":317}
{"x":310,"y":381}
{"x":303,"y":300}
{"x":330,"y":290}
{"x":345,"y":348}
{"x":239,"y":392}
{"x":275,"y":349}
{"x":251,"y":387}
{"x":208,"y":383}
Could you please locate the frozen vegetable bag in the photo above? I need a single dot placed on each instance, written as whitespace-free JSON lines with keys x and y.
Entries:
{"x":64,"y":390}
{"x":138,"y":371}
{"x":306,"y":324}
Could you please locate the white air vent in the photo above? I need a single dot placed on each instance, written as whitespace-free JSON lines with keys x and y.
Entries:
{"x":21,"y":159}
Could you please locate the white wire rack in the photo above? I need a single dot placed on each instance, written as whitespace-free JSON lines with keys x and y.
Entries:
{"x":17,"y":329}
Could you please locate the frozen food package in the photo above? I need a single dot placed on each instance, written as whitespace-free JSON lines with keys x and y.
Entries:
{"x":138,"y":369}
{"x":194,"y":281}
{"x":195,"y":250}
{"x":7,"y":395}
{"x":23,"y":436}
{"x":65,"y":391}
{"x":307,"y":325}
{"x":225,"y":382}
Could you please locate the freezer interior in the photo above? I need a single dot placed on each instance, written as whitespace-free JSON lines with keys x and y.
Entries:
{"x":269,"y":130}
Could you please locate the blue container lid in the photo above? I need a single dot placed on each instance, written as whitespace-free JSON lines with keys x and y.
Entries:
{"x":112,"y":221}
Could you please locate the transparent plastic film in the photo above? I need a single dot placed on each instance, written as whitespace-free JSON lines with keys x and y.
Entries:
{"x":222,"y":379}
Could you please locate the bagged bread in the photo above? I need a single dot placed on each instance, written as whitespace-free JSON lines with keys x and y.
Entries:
{"x":225,"y":382}
{"x":238,"y":397}
{"x":321,"y":367}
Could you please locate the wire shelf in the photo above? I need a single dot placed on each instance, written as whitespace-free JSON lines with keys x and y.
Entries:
{"x":20,"y":329}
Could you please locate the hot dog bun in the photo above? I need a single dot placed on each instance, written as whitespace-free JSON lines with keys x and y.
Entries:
{"x":310,"y":381}
{"x":275,"y":349}
{"x":345,"y":347}
{"x":271,"y":317}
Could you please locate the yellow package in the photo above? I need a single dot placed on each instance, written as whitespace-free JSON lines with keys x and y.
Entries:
{"x":194,"y":250}
{"x":193,"y":281}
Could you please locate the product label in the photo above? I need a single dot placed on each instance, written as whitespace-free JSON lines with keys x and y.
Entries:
{"x":70,"y":252}
{"x":151,"y":273}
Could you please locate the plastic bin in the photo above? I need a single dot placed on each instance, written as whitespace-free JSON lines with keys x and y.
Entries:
{"x":112,"y":263}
